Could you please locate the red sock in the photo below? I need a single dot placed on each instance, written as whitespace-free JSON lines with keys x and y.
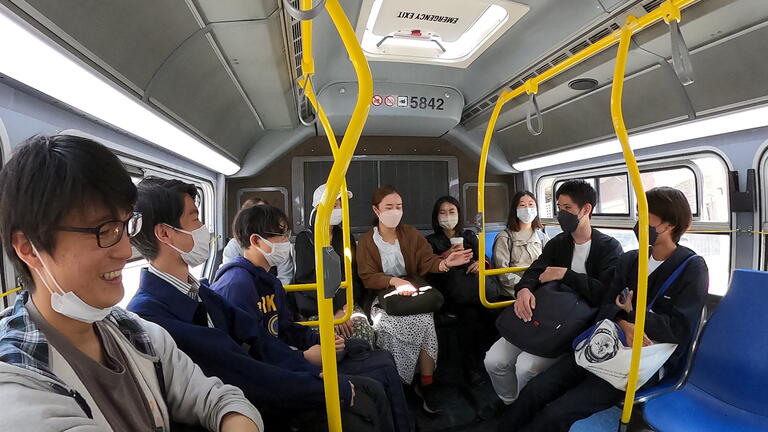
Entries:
{"x":426,"y":380}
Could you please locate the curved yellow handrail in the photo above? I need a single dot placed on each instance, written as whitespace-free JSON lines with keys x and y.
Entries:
{"x":617,"y":116}
{"x":335,"y":183}
{"x":668,"y":10}
{"x":11,"y":292}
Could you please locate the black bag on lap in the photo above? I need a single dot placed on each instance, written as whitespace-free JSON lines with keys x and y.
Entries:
{"x":462,"y":288}
{"x":427,"y":299}
{"x":560,"y":315}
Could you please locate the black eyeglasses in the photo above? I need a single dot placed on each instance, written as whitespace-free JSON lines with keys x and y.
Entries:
{"x":109,"y":233}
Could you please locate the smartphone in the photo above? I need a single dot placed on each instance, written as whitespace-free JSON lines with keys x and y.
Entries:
{"x":623,"y":295}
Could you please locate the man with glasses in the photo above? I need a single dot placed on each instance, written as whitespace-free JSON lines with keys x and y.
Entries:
{"x":70,"y":359}
{"x":224,"y":340}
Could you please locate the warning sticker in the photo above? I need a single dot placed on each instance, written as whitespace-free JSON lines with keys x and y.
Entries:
{"x":402,"y":101}
{"x":376,"y":100}
{"x":390,"y":100}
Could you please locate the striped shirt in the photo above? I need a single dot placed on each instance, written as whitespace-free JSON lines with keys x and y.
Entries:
{"x":191,"y":288}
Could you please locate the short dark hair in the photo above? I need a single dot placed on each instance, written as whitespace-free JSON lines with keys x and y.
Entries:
{"x":513,"y":223}
{"x":263,"y":220}
{"x":459,"y":228}
{"x":581,"y":192}
{"x":50,"y":176}
{"x":672,"y":207}
{"x":160,"y":201}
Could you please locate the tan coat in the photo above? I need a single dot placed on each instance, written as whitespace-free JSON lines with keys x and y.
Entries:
{"x":419,"y":259}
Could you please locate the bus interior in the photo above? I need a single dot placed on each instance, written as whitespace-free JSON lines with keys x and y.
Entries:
{"x":216,"y":93}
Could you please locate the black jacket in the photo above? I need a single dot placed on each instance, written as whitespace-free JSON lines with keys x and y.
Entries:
{"x":600,"y":265}
{"x":676,"y":313}
{"x":304,"y":250}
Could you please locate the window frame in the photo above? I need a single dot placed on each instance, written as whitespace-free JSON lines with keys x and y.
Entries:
{"x":658,"y":163}
{"x":297,"y":180}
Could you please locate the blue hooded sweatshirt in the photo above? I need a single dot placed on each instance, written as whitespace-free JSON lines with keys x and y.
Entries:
{"x":262,"y":295}
{"x":237,"y":349}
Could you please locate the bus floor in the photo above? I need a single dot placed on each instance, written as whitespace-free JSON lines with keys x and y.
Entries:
{"x":463,"y":400}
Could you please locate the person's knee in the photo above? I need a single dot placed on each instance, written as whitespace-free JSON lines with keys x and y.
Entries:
{"x":495,"y":363}
{"x":532,"y":365}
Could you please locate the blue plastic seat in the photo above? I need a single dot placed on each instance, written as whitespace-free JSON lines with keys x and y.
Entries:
{"x":727,"y":386}
{"x":490,"y":237}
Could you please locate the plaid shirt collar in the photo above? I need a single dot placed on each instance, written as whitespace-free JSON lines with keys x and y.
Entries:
{"x":23,"y":345}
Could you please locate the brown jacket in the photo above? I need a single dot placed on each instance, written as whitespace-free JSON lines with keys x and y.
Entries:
{"x":419,"y":259}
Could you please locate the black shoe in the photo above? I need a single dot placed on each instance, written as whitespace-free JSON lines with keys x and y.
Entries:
{"x":428,"y":397}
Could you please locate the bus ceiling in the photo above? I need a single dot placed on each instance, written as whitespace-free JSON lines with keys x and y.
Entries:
{"x":241,"y":60}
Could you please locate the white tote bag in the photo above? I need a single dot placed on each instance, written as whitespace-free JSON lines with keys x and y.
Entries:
{"x":604,"y":354}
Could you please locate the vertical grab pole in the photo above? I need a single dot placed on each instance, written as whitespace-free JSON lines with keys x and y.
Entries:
{"x":333,"y":185}
{"x":617,"y":117}
{"x":482,"y":272}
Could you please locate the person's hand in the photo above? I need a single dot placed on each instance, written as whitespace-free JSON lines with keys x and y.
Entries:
{"x":627,"y":304}
{"x":352,"y":399}
{"x":552,"y":274}
{"x":236,"y":422}
{"x":344,"y":329}
{"x":525,"y":304}
{"x":458,"y":258}
{"x":474,"y":267}
{"x":629,"y":332}
{"x":404,"y":288}
{"x":314,"y":355}
{"x":340,"y":345}
{"x":455,"y":248}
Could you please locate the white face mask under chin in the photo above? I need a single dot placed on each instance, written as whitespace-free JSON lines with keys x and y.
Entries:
{"x":281,"y":252}
{"x":201,"y":246}
{"x":448,"y":222}
{"x":68,"y":303}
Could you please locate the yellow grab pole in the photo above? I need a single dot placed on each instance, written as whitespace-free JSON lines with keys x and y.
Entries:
{"x":10,"y":292}
{"x":342,"y":158}
{"x":306,"y":83}
{"x":670,"y":9}
{"x":617,"y":117}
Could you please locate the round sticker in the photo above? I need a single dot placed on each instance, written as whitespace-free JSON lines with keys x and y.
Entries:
{"x":376,"y":101}
{"x":390,"y":101}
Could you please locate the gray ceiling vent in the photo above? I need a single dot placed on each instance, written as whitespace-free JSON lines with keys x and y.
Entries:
{"x":559,"y":55}
{"x":293,"y":44}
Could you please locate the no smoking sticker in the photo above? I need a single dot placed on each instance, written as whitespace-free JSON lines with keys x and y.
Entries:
{"x":390,"y":101}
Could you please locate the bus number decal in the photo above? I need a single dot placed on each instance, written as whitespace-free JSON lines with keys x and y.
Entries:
{"x":424,"y":103}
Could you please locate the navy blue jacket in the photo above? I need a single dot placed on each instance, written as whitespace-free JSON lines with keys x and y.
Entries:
{"x":261,"y":294}
{"x":238,"y":349}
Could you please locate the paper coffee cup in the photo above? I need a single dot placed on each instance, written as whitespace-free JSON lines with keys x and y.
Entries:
{"x":457,"y":241}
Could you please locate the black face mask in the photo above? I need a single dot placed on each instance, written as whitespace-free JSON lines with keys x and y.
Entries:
{"x":652,"y":234}
{"x":568,"y":221}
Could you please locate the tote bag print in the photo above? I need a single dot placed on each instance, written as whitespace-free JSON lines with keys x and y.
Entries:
{"x":605,"y":355}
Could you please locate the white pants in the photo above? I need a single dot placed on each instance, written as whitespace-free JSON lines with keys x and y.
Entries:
{"x":510,"y":369}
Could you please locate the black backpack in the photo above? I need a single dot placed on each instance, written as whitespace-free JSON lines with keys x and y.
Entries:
{"x":560,"y":315}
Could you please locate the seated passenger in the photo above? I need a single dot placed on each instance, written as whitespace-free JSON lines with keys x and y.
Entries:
{"x":565,"y":393}
{"x":69,"y":358}
{"x":386,"y":254}
{"x":247,"y":284}
{"x":520,"y":244}
{"x":284,"y":271}
{"x":460,"y":285}
{"x":581,"y":257}
{"x":225,"y":340}
{"x":306,"y":301}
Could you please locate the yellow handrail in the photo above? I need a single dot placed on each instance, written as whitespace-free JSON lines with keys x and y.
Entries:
{"x":306,"y":83}
{"x":617,"y":117}
{"x":11,"y":292}
{"x":335,"y":183}
{"x":670,"y":9}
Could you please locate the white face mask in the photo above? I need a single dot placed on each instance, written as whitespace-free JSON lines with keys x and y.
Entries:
{"x":390,"y":218}
{"x":448,"y":222}
{"x":527,"y":214}
{"x":201,"y":246}
{"x":68,"y":303}
{"x":281,"y":252}
{"x":336,"y":216}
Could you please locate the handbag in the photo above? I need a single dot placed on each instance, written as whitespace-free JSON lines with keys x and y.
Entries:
{"x":425,"y":300}
{"x":602,"y":349}
{"x":560,"y":315}
{"x":462,"y":288}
